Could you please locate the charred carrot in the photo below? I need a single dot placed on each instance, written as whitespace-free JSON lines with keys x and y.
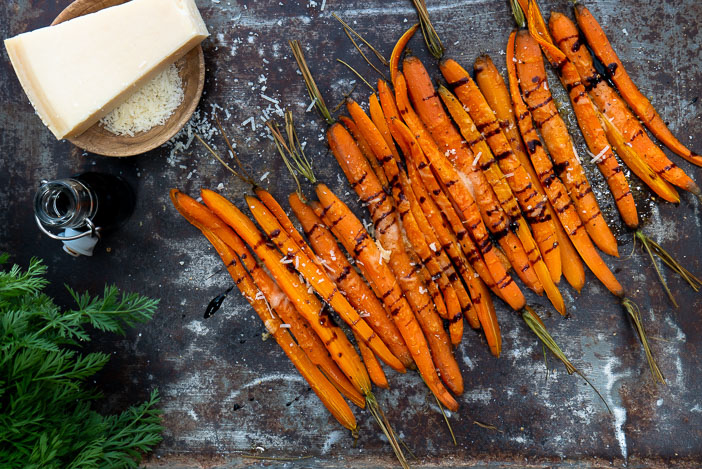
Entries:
{"x":365,"y":149}
{"x":542,"y":225}
{"x":554,"y":187}
{"x":327,"y":393}
{"x":349,"y":281}
{"x":613,"y":107}
{"x":382,"y":211}
{"x":480,"y":297}
{"x":201,"y":217}
{"x":484,"y":259}
{"x":495,"y":92}
{"x":482,"y":131}
{"x":349,"y":230}
{"x":319,"y":281}
{"x":306,"y":303}
{"x":397,"y":50}
{"x":428,"y":107}
{"x":375,"y":371}
{"x":641,"y":106}
{"x":532,"y":76}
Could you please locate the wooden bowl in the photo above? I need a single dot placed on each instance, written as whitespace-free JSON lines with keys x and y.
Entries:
{"x":191,"y":68}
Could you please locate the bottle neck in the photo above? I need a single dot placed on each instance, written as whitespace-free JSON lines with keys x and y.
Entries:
{"x":64,"y":203}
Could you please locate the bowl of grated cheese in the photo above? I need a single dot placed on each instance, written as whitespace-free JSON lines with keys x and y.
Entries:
{"x":155,"y":112}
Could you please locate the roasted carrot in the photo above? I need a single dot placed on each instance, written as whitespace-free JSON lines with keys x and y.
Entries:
{"x":375,"y":371}
{"x":483,"y":133}
{"x":387,"y":111}
{"x":543,"y":226}
{"x":397,"y":50}
{"x":532,"y":80}
{"x":497,"y":96}
{"x":203,"y":218}
{"x":484,"y":259}
{"x":327,"y":393}
{"x":495,"y":92}
{"x":553,"y":186}
{"x":306,"y":303}
{"x":641,"y":106}
{"x":481,"y":298}
{"x":614,"y":108}
{"x":384,"y":216}
{"x":349,"y":230}
{"x":349,"y":281}
{"x":428,"y":107}
{"x":449,"y":307}
{"x":319,"y":281}
{"x":365,"y":149}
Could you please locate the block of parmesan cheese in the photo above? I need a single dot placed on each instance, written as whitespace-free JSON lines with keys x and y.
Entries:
{"x":77,"y":71}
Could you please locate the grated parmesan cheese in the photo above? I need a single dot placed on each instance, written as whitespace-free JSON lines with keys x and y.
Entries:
{"x":149,"y":106}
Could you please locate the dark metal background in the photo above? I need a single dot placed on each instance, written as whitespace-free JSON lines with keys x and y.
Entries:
{"x":227,"y":394}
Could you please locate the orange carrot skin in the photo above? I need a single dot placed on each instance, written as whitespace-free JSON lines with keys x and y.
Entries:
{"x":397,"y":51}
{"x":375,"y":371}
{"x":532,"y":76}
{"x":349,"y":230}
{"x":350,"y":282}
{"x":321,"y":283}
{"x":203,"y":218}
{"x":386,"y":112}
{"x":365,"y":149}
{"x":493,"y":89}
{"x":307,"y":304}
{"x":553,"y":186}
{"x":614,"y":108}
{"x":386,"y":227}
{"x":483,"y":259}
{"x":641,"y":106}
{"x":431,"y":112}
{"x":327,"y":393}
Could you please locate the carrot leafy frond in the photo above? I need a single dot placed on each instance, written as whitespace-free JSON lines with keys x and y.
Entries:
{"x":635,"y":314}
{"x":518,"y":13}
{"x":291,"y":151}
{"x":537,"y":327}
{"x":431,"y":37}
{"x":348,"y":30}
{"x":655,"y":249}
{"x":312,"y":89}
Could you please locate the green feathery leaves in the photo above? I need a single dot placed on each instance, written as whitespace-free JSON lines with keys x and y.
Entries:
{"x":46,"y":419}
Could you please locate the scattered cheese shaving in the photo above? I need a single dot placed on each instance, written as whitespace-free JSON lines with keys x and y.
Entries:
{"x":477,"y":157}
{"x":149,"y":106}
{"x":600,"y":155}
{"x":384,"y":253}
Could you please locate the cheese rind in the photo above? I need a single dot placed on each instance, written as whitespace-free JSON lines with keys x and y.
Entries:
{"x":76,"y":72}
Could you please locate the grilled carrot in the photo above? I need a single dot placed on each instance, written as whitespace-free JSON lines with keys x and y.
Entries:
{"x":370,"y":191}
{"x":532,"y":80}
{"x":349,"y":281}
{"x":428,"y":107}
{"x":319,"y":280}
{"x":397,"y":50}
{"x":542,"y":225}
{"x":365,"y":149}
{"x":203,"y":218}
{"x":375,"y":371}
{"x":484,"y":259}
{"x":637,"y":164}
{"x":327,"y":393}
{"x":449,"y":307}
{"x":553,"y":186}
{"x":495,"y":93}
{"x":614,"y":108}
{"x":349,"y":230}
{"x":486,"y":135}
{"x":306,"y":303}
{"x":641,"y":106}
{"x":484,"y":308}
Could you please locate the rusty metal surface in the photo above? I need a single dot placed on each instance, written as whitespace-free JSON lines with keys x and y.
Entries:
{"x":226,"y":393}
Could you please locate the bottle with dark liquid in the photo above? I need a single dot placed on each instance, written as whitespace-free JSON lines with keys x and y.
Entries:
{"x":86,"y":206}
